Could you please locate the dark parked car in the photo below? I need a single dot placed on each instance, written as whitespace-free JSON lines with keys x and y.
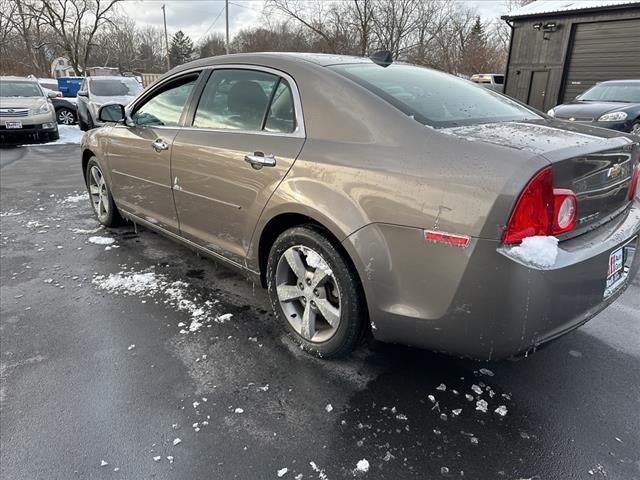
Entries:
{"x":65,"y":107}
{"x":437,"y":212}
{"x":614,"y":104}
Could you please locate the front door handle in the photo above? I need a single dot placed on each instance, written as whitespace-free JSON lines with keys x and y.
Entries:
{"x":160,"y":145}
{"x":257,"y":160}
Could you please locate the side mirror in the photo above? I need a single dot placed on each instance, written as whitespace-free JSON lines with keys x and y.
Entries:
{"x":52,"y":94}
{"x":82,"y":93}
{"x":112,"y":112}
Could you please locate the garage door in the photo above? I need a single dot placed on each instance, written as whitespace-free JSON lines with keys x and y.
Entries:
{"x":602,"y":51}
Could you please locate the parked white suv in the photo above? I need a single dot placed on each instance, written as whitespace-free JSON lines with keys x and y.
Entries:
{"x":96,"y":91}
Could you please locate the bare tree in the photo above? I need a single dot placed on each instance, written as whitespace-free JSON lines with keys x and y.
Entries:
{"x":75,"y":24}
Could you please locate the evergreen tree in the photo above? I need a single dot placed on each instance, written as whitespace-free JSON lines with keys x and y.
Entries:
{"x":181,"y":49}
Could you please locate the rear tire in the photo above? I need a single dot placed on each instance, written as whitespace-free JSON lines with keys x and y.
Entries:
{"x":100,"y":195}
{"x":81,"y":123}
{"x":315,"y":292}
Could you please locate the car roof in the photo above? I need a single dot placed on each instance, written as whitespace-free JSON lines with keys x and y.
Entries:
{"x":15,"y":78}
{"x":106,"y":77}
{"x":319,"y":59}
{"x":613,"y":82}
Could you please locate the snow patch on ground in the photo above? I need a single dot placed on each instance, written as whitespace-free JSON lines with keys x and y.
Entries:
{"x":175,"y":294}
{"x":85,"y":231}
{"x":101,"y":240}
{"x":539,"y":251}
{"x":76,"y":197}
{"x":68,"y":134}
{"x":362,"y":466}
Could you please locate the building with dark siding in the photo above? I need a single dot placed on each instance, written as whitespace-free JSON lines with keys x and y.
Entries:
{"x":561,"y":48}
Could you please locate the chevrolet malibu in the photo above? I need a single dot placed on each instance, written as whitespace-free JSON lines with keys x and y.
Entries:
{"x":365,"y":194}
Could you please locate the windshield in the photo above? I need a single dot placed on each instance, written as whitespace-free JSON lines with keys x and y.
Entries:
{"x":435,"y":98}
{"x":613,"y":93}
{"x":115,"y":87}
{"x":10,"y":88}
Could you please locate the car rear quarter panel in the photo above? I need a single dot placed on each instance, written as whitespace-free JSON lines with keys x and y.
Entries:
{"x":366,"y":162}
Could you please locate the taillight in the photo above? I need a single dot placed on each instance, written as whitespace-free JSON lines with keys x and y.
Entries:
{"x":635,"y":179}
{"x":541,"y":210}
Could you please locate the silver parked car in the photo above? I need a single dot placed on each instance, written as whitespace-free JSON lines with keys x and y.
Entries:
{"x":363,"y":193}
{"x":98,"y":90}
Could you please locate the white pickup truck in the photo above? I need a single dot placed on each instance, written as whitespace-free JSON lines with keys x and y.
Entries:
{"x":492,"y":81}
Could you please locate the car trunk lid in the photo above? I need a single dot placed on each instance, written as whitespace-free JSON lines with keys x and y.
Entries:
{"x":596,"y":164}
{"x":601,"y":182}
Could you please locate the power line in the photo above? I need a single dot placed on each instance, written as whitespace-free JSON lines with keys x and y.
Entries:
{"x":210,"y":26}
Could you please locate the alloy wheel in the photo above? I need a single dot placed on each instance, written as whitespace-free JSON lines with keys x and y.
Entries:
{"x":99,"y":193}
{"x":635,"y":130}
{"x":66,"y":117}
{"x":308,"y":293}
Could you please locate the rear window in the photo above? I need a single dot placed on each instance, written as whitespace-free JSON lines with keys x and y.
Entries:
{"x":435,"y":98}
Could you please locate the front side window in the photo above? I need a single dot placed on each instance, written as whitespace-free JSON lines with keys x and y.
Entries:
{"x":165,"y":108}
{"x":115,"y":87}
{"x":10,"y":88}
{"x":435,"y":98}
{"x":245,"y":100}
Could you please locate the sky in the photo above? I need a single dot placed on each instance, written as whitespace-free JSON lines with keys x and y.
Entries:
{"x":199,"y":18}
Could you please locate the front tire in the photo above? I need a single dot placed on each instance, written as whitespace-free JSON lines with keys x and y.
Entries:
{"x":635,"y":128}
{"x":65,"y":116}
{"x":315,"y":292}
{"x":100,"y":195}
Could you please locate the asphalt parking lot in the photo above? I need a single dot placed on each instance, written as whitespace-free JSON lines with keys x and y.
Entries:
{"x":100,"y":378}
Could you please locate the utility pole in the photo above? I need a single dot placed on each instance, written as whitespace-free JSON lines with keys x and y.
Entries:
{"x":226,"y":12}
{"x":166,"y":38}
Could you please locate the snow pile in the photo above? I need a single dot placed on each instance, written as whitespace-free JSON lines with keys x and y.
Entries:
{"x":175,"y":294}
{"x":540,"y":251}
{"x":362,"y":466}
{"x":282,"y":472}
{"x":101,"y":240}
{"x":69,"y":134}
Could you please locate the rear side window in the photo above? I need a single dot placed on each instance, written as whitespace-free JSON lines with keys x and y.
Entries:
{"x":165,"y":108}
{"x":434,"y":98}
{"x":247,"y":100}
{"x":499,"y":79}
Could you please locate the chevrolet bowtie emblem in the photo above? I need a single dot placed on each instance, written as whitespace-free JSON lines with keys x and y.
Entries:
{"x":615,"y":171}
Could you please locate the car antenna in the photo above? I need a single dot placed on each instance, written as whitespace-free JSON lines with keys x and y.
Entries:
{"x":382,"y":58}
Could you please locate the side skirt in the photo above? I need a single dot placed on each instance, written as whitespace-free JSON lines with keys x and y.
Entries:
{"x":251,"y":275}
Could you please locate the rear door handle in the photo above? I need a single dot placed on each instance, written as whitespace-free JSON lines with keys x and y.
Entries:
{"x":257,"y":160}
{"x":160,"y":145}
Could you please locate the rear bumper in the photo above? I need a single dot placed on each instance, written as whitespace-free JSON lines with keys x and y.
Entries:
{"x":28,"y":134}
{"x":481,"y":302}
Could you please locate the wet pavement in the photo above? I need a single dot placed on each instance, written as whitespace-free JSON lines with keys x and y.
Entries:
{"x":93,"y":375}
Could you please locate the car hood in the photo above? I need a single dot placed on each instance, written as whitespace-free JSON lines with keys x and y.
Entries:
{"x":537,"y":136}
{"x":593,"y":110}
{"x":22,"y":102}
{"x":122,"y":100}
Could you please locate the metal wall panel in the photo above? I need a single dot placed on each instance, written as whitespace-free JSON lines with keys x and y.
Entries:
{"x":602,"y":51}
